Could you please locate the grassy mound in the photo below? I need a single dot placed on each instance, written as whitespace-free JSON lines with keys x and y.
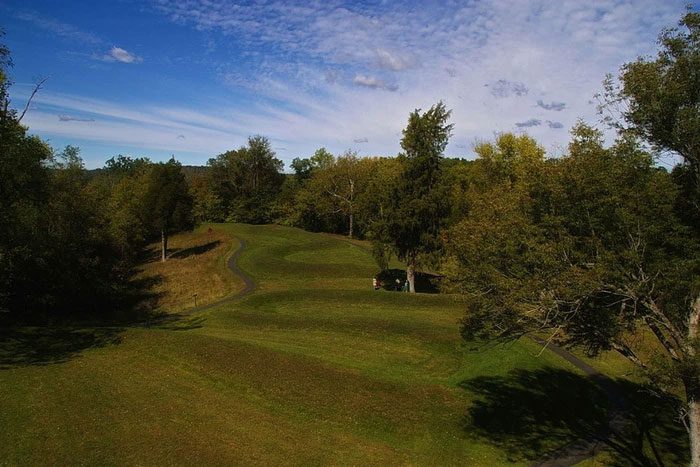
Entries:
{"x":313,"y":367}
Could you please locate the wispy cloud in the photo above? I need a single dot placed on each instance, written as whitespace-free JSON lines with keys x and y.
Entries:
{"x":117,"y":54}
{"x":393,"y":61}
{"x":372,"y":82}
{"x":71,"y":118}
{"x":555,"y":125}
{"x":361,"y":140}
{"x":57,"y":27}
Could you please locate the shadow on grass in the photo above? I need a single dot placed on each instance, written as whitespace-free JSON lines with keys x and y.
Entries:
{"x":27,"y":346}
{"x":41,"y":339}
{"x":154,"y":254}
{"x":175,"y":322}
{"x":195,"y":250}
{"x":22,"y":346}
{"x":553,"y":413}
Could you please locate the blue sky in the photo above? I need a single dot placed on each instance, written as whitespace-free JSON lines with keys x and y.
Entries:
{"x":194,"y":78}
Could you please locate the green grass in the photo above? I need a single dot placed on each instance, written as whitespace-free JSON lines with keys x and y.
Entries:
{"x":314,"y":367}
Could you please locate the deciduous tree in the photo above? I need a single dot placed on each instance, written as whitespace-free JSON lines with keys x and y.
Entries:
{"x":659,"y":100}
{"x":167,"y":202}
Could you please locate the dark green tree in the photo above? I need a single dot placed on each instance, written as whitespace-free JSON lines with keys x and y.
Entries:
{"x":167,"y":202}
{"x":24,"y":191}
{"x":303,"y":168}
{"x":419,"y":200}
{"x":247,"y":180}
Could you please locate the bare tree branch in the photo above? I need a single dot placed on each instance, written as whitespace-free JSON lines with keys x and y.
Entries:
{"x":29,"y":101}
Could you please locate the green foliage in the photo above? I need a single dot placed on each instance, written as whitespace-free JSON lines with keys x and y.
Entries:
{"x":348,"y":190}
{"x":660,"y":99}
{"x":419,"y":201}
{"x":303,"y":168}
{"x":56,"y":255}
{"x":207,"y":204}
{"x":167,"y":201}
{"x":381,"y":252}
{"x":588,"y":246}
{"x":246,"y":181}
{"x":124,"y":166}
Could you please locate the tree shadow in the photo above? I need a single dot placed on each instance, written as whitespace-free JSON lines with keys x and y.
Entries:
{"x":41,"y":339}
{"x":22,"y":346}
{"x":43,"y":345}
{"x":195,"y":250}
{"x":150,"y":255}
{"x":136,"y":300}
{"x":556,"y":414}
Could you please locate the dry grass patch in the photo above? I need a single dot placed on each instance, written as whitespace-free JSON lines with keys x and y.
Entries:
{"x":196,"y":265}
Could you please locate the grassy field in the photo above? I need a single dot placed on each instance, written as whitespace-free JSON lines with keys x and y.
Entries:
{"x":313,"y":367}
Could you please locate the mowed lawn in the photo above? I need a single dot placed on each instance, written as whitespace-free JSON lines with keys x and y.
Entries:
{"x":313,"y":367}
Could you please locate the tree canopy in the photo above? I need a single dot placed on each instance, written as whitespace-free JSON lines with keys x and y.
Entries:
{"x":419,"y":203}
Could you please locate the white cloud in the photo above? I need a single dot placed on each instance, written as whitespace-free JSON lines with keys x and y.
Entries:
{"x":117,"y":54}
{"x":391,"y":61}
{"x":372,"y":82}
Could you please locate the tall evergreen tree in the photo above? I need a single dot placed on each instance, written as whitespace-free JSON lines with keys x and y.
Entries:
{"x":420,"y":206}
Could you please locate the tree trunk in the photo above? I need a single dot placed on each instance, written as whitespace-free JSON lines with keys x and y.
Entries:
{"x":411,"y":274}
{"x":351,"y":199}
{"x":694,"y":425}
{"x":692,"y":387}
{"x":164,"y":245}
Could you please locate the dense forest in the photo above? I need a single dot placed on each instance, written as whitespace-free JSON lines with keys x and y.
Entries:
{"x":591,"y":247}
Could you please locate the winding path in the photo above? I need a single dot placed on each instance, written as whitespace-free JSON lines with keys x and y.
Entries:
{"x":248,"y":283}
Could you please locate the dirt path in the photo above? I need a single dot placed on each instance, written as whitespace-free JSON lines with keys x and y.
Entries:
{"x":586,"y":448}
{"x":248,"y":283}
